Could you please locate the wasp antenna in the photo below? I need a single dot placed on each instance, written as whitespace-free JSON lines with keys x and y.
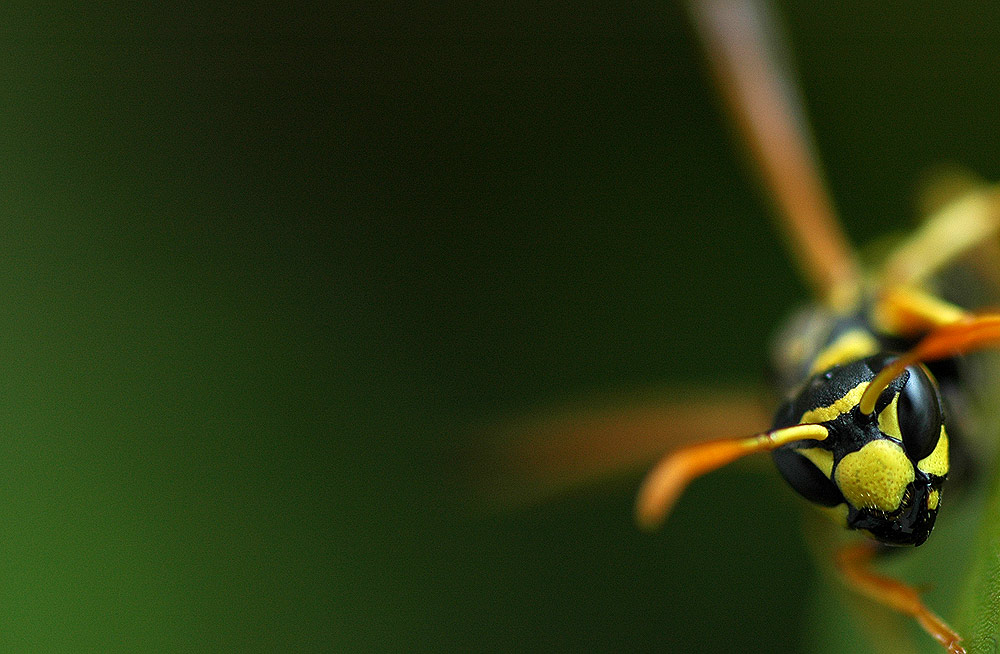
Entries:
{"x":672,"y":474}
{"x":961,"y":337}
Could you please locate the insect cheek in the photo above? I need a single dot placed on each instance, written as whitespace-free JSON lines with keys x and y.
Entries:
{"x":936,"y":463}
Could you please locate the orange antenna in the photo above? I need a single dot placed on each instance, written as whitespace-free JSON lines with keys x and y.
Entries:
{"x":670,"y":477}
{"x":966,"y":335}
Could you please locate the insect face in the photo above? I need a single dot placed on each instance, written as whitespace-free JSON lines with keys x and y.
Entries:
{"x":881,"y":472}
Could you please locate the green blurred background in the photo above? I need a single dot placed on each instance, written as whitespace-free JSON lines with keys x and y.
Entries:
{"x":264,"y":268}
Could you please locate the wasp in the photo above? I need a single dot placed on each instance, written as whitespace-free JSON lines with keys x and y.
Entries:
{"x":865,"y":426}
{"x":867,"y":372}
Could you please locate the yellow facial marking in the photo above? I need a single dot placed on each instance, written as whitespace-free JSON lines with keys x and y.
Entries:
{"x":936,"y":462}
{"x":843,"y":405}
{"x":849,"y":346}
{"x":933,"y":498}
{"x":875,"y":476}
{"x":822,"y":459}
{"x":888,"y":420}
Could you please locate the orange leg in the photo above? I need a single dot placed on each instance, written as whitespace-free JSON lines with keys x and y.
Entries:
{"x":541,"y":456}
{"x":744,"y":53}
{"x":854,"y":561}
{"x":909,"y":311}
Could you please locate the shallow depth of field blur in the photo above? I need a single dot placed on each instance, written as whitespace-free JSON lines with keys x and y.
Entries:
{"x":558,"y":212}
{"x":264,"y":270}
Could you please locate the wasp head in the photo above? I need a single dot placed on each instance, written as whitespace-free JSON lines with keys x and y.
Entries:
{"x":880,"y":472}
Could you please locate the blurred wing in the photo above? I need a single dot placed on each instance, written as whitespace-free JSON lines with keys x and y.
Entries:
{"x":753,"y":77}
{"x":546,"y":455}
{"x":962,"y":219}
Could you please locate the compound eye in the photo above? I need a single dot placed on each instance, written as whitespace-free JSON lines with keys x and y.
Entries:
{"x":807,"y":480}
{"x":919,"y":414}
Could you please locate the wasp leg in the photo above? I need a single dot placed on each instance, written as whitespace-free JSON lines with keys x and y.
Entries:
{"x":854,"y":562}
{"x":743,"y":47}
{"x":909,"y":311}
{"x":553,"y":451}
{"x":670,"y":477}
{"x":956,"y":228}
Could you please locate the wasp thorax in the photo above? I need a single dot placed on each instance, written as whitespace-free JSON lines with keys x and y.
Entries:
{"x":882,"y":472}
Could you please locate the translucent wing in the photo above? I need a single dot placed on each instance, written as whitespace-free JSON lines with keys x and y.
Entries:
{"x":753,"y":78}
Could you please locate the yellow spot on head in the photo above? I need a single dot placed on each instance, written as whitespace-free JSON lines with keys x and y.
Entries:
{"x":822,"y":459}
{"x":843,"y":405}
{"x":875,"y":476}
{"x":888,"y":420}
{"x":933,"y":499}
{"x":849,"y":346}
{"x":936,"y":463}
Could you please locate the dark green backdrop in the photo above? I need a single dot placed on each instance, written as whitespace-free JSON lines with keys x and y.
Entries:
{"x":262,"y":267}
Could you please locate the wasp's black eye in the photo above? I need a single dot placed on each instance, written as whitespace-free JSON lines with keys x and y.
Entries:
{"x":919,"y":414}
{"x":807,"y":480}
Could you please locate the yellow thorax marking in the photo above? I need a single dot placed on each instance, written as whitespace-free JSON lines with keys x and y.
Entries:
{"x":843,"y":405}
{"x":876,"y":476}
{"x":850,"y":346}
{"x":936,"y":463}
